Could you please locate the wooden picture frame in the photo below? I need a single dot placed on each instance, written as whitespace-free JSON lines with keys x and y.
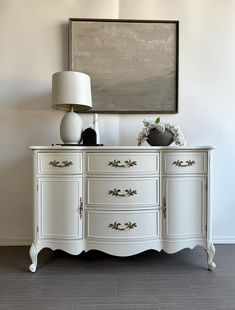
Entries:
{"x":133,"y":64}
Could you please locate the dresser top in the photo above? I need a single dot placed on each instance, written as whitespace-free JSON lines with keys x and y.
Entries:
{"x":107,"y":148}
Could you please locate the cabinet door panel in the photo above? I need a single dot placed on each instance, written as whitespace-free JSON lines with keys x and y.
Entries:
{"x":185,"y":203}
{"x":59,"y":200}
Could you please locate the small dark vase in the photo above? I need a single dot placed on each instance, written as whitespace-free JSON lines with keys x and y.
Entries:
{"x":89,"y":136}
{"x":157,"y":138}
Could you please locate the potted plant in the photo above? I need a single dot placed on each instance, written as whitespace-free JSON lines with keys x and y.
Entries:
{"x":161,"y":133}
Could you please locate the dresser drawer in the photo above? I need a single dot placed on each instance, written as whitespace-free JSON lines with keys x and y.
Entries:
{"x":122,"y":163}
{"x":184,"y":162}
{"x":116,"y":192}
{"x":122,"y":226}
{"x":59,"y":163}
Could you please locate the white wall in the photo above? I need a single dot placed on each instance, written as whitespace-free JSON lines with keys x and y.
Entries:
{"x":33,"y":45}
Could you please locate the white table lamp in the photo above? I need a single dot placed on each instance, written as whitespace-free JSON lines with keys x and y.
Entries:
{"x":71,"y":91}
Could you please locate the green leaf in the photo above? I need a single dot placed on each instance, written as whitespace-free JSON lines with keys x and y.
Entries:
{"x":157,"y":121}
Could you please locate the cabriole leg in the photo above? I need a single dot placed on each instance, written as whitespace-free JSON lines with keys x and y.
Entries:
{"x":33,"y":256}
{"x":211,"y":254}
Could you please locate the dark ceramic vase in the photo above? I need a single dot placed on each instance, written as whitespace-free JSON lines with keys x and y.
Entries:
{"x":157,"y":138}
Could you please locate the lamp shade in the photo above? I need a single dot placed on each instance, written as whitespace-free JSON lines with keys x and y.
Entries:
{"x":71,"y":88}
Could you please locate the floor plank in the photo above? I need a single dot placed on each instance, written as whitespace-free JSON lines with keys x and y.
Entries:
{"x":94,"y":280}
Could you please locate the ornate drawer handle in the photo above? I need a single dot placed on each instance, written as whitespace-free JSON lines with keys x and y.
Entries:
{"x":81,"y":208}
{"x":117,"y":163}
{"x":179,"y":163}
{"x":58,"y":165}
{"x":128,"y":226}
{"x":117,"y":192}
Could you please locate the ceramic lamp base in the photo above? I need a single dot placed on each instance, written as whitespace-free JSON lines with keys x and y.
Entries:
{"x":71,"y":128}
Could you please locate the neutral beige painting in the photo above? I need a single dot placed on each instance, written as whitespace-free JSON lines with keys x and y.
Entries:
{"x":132,"y":64}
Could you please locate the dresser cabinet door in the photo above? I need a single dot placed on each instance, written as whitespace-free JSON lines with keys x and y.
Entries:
{"x":184,"y":207}
{"x":59,"y":208}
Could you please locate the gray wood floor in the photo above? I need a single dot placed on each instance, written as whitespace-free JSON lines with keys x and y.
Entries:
{"x":94,"y":280}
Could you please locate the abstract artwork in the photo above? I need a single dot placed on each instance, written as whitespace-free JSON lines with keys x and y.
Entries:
{"x":133,"y":64}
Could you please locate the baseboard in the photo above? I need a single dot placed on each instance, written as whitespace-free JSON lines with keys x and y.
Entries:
{"x":15,"y":242}
{"x":224,"y":239}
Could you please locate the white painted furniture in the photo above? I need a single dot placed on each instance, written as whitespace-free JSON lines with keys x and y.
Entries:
{"x":122,"y":200}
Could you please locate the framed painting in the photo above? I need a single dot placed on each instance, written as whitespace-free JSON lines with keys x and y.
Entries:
{"x":133,"y":64}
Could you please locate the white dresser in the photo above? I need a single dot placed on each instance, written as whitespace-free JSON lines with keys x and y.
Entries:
{"x":122,"y":200}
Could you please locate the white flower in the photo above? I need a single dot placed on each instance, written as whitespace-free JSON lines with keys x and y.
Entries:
{"x":178,"y":136}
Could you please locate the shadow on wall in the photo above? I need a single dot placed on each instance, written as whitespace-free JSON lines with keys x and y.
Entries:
{"x":64,"y":47}
{"x":16,"y":199}
{"x":29,"y":120}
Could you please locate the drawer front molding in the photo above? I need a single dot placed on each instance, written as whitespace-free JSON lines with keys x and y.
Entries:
{"x":60,"y":163}
{"x":122,"y":163}
{"x":184,"y":162}
{"x":124,"y":226}
{"x":113,"y":192}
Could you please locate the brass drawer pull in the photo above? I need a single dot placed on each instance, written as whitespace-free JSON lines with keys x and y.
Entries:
{"x":117,"y":192}
{"x":128,"y":226}
{"x":81,"y":208}
{"x":57,"y":164}
{"x":179,"y":163}
{"x":117,"y":163}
